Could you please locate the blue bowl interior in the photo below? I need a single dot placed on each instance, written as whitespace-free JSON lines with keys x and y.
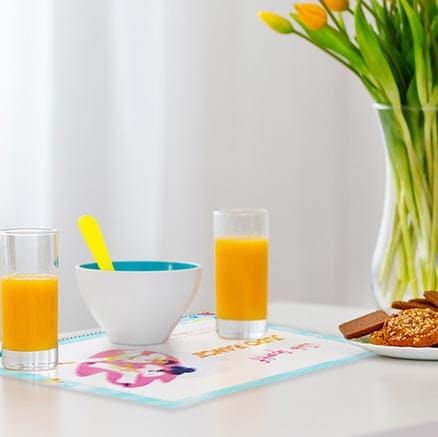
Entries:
{"x":143,"y":266}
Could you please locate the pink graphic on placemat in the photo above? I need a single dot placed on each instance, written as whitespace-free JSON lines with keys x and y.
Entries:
{"x":133,"y":368}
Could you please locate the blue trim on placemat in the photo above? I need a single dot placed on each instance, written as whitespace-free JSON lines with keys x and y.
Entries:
{"x":309,"y":333}
{"x":81,"y":337}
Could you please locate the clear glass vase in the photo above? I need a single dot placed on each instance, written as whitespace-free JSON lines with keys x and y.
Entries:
{"x":405,"y":258}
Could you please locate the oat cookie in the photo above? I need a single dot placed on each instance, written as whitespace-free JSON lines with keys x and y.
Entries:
{"x":416,"y":327}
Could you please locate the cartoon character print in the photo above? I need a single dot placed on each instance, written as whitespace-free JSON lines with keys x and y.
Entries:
{"x":133,"y":368}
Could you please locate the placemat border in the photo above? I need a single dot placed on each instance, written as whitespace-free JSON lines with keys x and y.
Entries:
{"x":76,"y":337}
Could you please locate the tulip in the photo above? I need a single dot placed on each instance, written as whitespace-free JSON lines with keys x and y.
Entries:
{"x":337,"y":5}
{"x":276,"y":22}
{"x":313,"y":16}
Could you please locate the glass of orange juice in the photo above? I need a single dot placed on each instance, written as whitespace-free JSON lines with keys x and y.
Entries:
{"x":29,"y":298}
{"x":241,"y":270}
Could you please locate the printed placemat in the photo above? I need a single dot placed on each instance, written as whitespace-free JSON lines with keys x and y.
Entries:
{"x":195,"y":364}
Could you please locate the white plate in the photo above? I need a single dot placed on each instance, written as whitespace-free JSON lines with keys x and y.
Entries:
{"x":408,"y":353}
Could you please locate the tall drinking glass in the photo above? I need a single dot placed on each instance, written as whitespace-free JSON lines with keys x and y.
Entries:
{"x":29,"y":298}
{"x":241,"y":264}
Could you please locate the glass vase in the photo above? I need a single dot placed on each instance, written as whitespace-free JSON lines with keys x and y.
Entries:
{"x":404,"y":263}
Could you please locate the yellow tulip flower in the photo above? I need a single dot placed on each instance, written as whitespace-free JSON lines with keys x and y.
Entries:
{"x":276,"y":22}
{"x":337,"y":5}
{"x":313,"y":16}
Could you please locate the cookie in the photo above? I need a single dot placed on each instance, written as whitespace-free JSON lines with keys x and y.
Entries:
{"x":420,"y":300}
{"x":363,"y":325}
{"x":417,"y":303}
{"x":432,"y":297}
{"x":417,"y":327}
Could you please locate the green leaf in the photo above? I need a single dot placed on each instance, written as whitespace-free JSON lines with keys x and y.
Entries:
{"x":421,"y":72}
{"x":434,"y":99}
{"x":435,"y":27}
{"x":375,"y":58}
{"x":383,"y":24}
{"x":411,"y":95}
{"x":404,"y":31}
{"x":434,"y":49}
{"x":387,"y":37}
{"x":335,"y":41}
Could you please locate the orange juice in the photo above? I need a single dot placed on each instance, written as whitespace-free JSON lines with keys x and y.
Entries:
{"x":241,"y":278}
{"x":29,"y":312}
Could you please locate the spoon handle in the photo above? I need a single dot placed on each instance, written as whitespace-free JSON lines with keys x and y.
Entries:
{"x":93,"y":237}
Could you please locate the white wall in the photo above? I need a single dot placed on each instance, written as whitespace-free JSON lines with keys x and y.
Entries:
{"x":151,"y":114}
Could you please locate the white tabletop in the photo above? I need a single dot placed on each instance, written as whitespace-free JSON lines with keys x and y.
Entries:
{"x":373,"y":396}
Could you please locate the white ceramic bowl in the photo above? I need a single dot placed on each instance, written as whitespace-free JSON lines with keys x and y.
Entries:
{"x":140,"y":302}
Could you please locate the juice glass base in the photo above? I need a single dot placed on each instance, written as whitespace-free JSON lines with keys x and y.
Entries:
{"x":36,"y":360}
{"x":241,"y":329}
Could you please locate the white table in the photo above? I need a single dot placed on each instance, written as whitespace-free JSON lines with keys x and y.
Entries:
{"x":373,"y":396}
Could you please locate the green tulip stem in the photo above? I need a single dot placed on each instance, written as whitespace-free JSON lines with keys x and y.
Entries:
{"x":333,"y":18}
{"x":413,"y":242}
{"x":331,"y":54}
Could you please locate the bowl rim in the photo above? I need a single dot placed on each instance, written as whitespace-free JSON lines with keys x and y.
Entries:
{"x":186,"y":266}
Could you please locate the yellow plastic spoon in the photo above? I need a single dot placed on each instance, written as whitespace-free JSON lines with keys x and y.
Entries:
{"x":93,"y":237}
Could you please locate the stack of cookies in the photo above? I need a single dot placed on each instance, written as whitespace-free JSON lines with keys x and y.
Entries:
{"x":415,"y":325}
{"x":430,"y":300}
